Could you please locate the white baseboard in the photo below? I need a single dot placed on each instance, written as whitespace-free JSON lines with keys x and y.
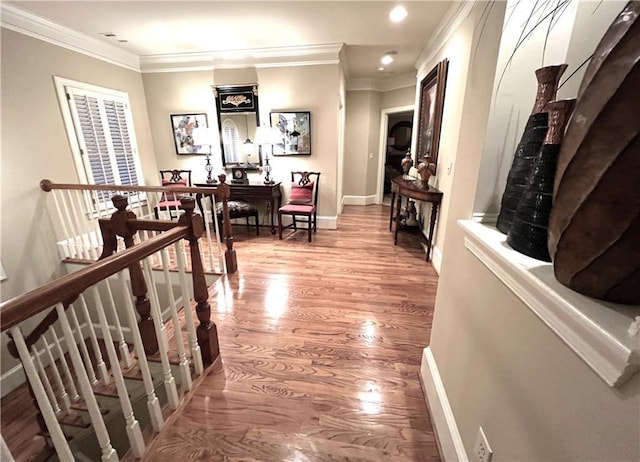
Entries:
{"x":359,"y":200}
{"x":449,"y":439}
{"x":436,"y":259}
{"x":12,"y":379}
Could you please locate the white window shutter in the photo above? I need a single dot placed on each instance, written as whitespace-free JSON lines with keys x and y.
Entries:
{"x":231,"y":142}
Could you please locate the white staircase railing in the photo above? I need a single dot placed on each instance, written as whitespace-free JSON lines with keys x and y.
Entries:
{"x":61,"y":367}
{"x":77,"y":209}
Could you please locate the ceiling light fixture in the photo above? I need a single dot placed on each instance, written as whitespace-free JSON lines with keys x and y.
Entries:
{"x":398,"y":14}
{"x":388,"y":57}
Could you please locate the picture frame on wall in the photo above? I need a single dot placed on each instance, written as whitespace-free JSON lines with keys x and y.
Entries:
{"x":295,"y":133}
{"x":183,"y":126}
{"x":432,"y":89}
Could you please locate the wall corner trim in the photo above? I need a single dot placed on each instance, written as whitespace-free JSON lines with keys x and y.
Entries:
{"x":597,"y":331}
{"x":34,"y":26}
{"x":458,"y":12}
{"x":449,"y":439}
{"x":436,"y":259}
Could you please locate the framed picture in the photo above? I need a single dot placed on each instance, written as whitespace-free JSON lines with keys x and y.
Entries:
{"x":183,"y":126}
{"x":430,"y":116}
{"x":295,"y":133}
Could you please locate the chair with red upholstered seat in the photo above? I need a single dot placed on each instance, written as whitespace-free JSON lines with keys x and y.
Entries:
{"x":303,"y":201}
{"x":170,"y":202}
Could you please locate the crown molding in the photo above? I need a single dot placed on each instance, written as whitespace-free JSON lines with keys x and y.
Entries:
{"x":306,"y":55}
{"x":34,"y":26}
{"x":389,"y":84}
{"x":457,"y":13}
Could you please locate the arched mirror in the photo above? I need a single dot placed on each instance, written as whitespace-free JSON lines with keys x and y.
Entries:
{"x":238,"y":119}
{"x":400,"y":133}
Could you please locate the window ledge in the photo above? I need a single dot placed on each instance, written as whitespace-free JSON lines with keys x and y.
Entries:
{"x":597,"y":331}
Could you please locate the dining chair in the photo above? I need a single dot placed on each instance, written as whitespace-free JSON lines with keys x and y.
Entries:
{"x":303,"y":201}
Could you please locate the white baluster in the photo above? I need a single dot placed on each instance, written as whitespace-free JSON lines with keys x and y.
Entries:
{"x":77,"y":227}
{"x":73,"y":391}
{"x":96,"y":241}
{"x":53,"y":427}
{"x":83,"y":347}
{"x":185,"y":372}
{"x":119,"y":336}
{"x":161,"y":335}
{"x":153,"y":404}
{"x":70,"y":231}
{"x":102,"y":367}
{"x":196,"y":356}
{"x":134,"y":433}
{"x":79,"y":211}
{"x":207,"y":229}
{"x":61,"y":216}
{"x":45,"y":380}
{"x":109,"y":454}
{"x":66,"y":401}
{"x":222,"y":263}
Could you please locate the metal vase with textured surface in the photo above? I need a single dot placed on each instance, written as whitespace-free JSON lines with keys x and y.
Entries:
{"x":594,"y":228}
{"x":529,"y":146}
{"x":528,"y":231}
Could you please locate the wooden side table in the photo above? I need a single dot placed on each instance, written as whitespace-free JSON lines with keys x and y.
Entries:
{"x":413,"y":188}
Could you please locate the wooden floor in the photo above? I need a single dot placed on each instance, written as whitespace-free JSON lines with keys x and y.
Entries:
{"x":321,"y":345}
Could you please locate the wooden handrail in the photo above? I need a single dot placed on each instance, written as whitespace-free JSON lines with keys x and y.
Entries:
{"x":22,"y":307}
{"x":222,"y":191}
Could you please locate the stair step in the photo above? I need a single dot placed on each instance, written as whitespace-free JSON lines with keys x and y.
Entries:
{"x":74,"y":419}
{"x":81,"y":405}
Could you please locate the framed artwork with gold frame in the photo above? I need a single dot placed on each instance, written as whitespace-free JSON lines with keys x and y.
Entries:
{"x":432,"y":90}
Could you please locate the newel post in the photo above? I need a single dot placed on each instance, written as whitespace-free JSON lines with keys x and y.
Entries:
{"x":120,"y":227}
{"x":207,"y":332}
{"x":229,"y":254}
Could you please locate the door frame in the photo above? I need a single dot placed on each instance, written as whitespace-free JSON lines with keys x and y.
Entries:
{"x":382,"y":149}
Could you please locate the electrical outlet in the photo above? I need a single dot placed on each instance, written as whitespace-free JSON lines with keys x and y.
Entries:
{"x":449,"y":167}
{"x":482,"y":450}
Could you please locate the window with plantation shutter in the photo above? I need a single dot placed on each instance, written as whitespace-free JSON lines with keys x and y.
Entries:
{"x":231,"y":141}
{"x":100,"y":128}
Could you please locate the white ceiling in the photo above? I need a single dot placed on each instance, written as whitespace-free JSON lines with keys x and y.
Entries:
{"x":155,"y":29}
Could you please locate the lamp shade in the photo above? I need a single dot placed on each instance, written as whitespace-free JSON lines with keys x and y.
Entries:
{"x":267,"y":135}
{"x":203,"y":136}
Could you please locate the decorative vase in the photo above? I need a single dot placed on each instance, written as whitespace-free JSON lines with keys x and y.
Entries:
{"x":530,"y":144}
{"x":594,"y":228}
{"x":528,"y":231}
{"x":407,"y":163}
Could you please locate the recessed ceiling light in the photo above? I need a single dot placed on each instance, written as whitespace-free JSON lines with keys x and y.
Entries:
{"x":398,"y":14}
{"x":108,"y":34}
{"x":381,"y":68}
{"x":123,"y":41}
{"x":388,"y":57}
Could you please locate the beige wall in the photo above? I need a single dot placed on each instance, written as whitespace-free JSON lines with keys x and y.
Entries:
{"x":501,"y":367}
{"x":362,"y":136}
{"x":304,"y":88}
{"x":35,"y":146}
{"x":357,"y":138}
{"x":397,"y":98}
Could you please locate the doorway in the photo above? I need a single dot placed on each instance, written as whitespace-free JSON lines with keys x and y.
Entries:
{"x":395,"y":140}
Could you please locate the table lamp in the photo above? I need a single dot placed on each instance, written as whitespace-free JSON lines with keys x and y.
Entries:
{"x":267,"y":137}
{"x":204,"y":137}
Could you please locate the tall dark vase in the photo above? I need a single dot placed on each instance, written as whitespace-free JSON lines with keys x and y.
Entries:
{"x":528,"y":231}
{"x":530,"y":144}
{"x":594,"y":228}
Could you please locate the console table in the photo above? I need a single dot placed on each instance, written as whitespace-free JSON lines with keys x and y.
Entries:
{"x":269,"y":193}
{"x":413,"y":188}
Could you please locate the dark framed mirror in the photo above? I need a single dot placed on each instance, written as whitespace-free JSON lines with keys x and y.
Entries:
{"x":432,"y":90}
{"x":400,"y":133}
{"x":238,"y":119}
